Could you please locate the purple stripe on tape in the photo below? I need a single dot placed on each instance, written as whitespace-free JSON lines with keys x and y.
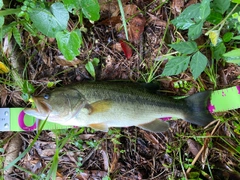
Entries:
{"x":211,"y":108}
{"x":23,"y":125}
{"x":238,"y":88}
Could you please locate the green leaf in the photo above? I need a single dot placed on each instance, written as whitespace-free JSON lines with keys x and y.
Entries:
{"x":195,"y":31}
{"x":72,"y":4}
{"x":236,"y":1}
{"x":221,"y":5}
{"x":1,"y":21}
{"x":215,"y":17}
{"x":227,"y":37}
{"x":214,"y":36}
{"x":184,"y":20}
{"x":1,"y":4}
{"x":68,"y":44}
{"x":232,"y":56}
{"x":218,"y":51}
{"x":91,"y":9}
{"x":185,"y":47}
{"x":17,"y":36}
{"x":198,"y":64}
{"x":236,"y":38}
{"x":50,"y":22}
{"x":90,"y":68}
{"x":204,"y":9}
{"x":27,"y":88}
{"x":95,"y":61}
{"x":176,"y":65}
{"x":182,"y":23}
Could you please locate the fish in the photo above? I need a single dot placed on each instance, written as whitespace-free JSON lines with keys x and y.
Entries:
{"x":102,"y":105}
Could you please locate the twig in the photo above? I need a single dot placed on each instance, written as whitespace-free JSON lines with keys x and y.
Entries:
{"x":201,"y":150}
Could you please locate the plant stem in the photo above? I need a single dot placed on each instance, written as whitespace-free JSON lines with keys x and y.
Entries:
{"x":222,"y":22}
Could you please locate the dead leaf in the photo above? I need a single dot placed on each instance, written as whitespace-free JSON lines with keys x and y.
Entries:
{"x":105,"y":159}
{"x":3,"y":95}
{"x":191,"y":2}
{"x":117,"y":46}
{"x":177,"y":6}
{"x":63,"y":62}
{"x":193,"y":146}
{"x":154,"y":20}
{"x":92,"y":174}
{"x":149,"y":137}
{"x":112,"y":21}
{"x":12,"y":152}
{"x":136,"y":28}
{"x":130,"y":11}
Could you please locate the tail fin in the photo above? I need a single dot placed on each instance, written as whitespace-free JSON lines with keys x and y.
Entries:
{"x":198,"y":112}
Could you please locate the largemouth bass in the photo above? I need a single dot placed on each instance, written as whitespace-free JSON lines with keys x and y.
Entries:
{"x":103,"y":105}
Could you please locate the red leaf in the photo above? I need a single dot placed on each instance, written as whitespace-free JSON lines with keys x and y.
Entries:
{"x":126,"y":49}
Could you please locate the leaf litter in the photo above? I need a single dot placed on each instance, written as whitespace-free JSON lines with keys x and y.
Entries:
{"x":129,"y":153}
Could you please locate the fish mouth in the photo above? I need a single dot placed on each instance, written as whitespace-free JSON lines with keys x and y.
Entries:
{"x":41,"y":105}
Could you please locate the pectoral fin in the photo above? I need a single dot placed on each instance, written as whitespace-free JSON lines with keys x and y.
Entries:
{"x":99,"y":126}
{"x":99,"y":106}
{"x":155,"y":126}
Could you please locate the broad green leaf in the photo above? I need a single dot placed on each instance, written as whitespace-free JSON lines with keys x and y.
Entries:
{"x":90,"y":68}
{"x":195,"y":31}
{"x":60,"y":13}
{"x":68,"y":44}
{"x":204,"y":9}
{"x":236,"y":1}
{"x":213,"y":36}
{"x":50,"y":22}
{"x":184,"y":20}
{"x":198,"y":64}
{"x":72,"y":4}
{"x":185,"y":47}
{"x":1,"y":4}
{"x":1,"y":21}
{"x":218,"y":51}
{"x":236,"y":38}
{"x":221,"y":5}
{"x":232,"y":56}
{"x":17,"y":36}
{"x":91,"y":9}
{"x":215,"y":17}
{"x":176,"y":65}
{"x":227,"y":37}
{"x":182,"y":23}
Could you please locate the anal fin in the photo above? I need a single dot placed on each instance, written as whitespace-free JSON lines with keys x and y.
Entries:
{"x":156,"y":126}
{"x":99,"y":127}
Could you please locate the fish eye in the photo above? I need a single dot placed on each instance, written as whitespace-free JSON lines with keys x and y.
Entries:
{"x":46,"y":96}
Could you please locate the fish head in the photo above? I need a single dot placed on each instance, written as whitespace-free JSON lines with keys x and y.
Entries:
{"x":59,"y":105}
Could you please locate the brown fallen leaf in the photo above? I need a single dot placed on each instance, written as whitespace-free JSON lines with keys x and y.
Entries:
{"x":3,"y":95}
{"x":193,"y":146}
{"x":130,"y":11}
{"x":112,"y":21}
{"x":12,"y":152}
{"x":154,"y":20}
{"x":136,"y":28}
{"x":63,"y":62}
{"x":177,"y":6}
